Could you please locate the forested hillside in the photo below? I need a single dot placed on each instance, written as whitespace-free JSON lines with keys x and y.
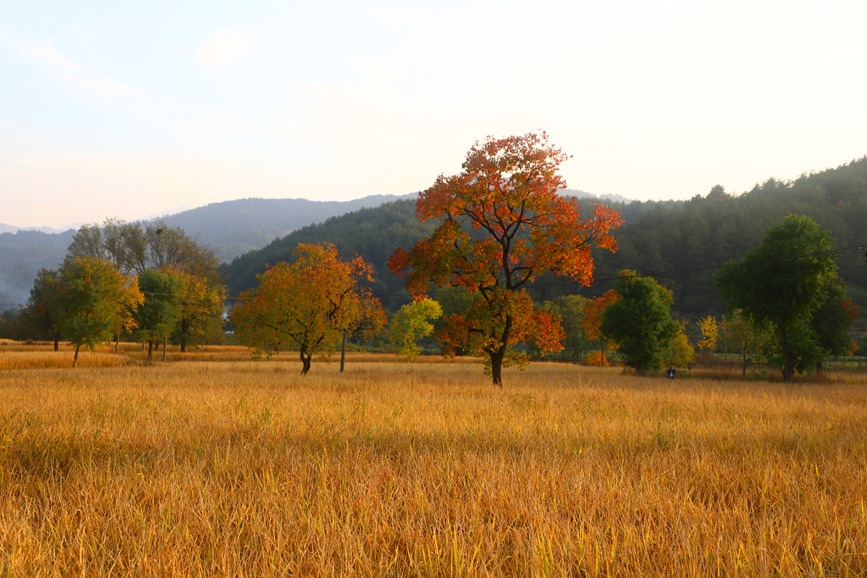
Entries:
{"x":681,"y":243}
{"x":372,"y":233}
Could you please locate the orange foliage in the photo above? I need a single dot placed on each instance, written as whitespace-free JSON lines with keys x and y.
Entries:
{"x":593,"y":311}
{"x":598,"y":358}
{"x":590,"y":323}
{"x":308,"y":304}
{"x":503,"y":222}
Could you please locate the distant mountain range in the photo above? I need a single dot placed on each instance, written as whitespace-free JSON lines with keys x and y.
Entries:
{"x":232,"y":228}
{"x":229,"y":228}
{"x":4,"y":228}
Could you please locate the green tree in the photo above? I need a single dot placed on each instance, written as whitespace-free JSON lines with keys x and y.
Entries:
{"x":13,"y":325}
{"x":782,"y":283}
{"x":680,"y":351}
{"x":92,"y":301}
{"x":411,"y":323}
{"x":157,"y":314}
{"x":200,"y":307}
{"x":750,"y":342}
{"x":832,"y":322}
{"x":640,"y":322}
{"x":45,"y":305}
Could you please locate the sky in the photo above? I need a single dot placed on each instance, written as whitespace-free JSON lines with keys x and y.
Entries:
{"x":131,"y":109}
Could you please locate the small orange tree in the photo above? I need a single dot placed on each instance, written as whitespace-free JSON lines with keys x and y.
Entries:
{"x":591,"y":321}
{"x":502,"y":222}
{"x":310,"y":304}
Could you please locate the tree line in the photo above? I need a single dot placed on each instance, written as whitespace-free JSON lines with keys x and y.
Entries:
{"x":492,"y":261}
{"x":153,"y":284}
{"x":680,"y":243}
{"x":501,"y":224}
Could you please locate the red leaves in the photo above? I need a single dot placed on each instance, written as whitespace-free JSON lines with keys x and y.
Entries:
{"x":593,"y":311}
{"x":502,"y":222}
{"x":507,"y":192}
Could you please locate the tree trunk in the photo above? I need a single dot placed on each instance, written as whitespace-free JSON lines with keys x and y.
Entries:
{"x":150,"y":352}
{"x":56,"y":341}
{"x":788,"y":363}
{"x":788,"y":355}
{"x":75,"y":357}
{"x":499,"y":354}
{"x":343,"y":352}
{"x":183,"y":343}
{"x":305,"y":361}
{"x":497,"y":366}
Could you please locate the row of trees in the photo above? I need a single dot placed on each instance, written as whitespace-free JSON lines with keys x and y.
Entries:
{"x":498,"y":225}
{"x":494,"y":229}
{"x":154,"y":284}
{"x":680,"y":243}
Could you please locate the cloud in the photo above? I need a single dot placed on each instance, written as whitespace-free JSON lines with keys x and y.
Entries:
{"x":222,"y":48}
{"x":93,"y":83}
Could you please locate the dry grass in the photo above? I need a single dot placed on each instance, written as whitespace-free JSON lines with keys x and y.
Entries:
{"x":245,"y":468}
{"x":18,"y":355}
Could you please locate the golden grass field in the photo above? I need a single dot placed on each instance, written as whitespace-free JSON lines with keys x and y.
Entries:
{"x":215,"y":465}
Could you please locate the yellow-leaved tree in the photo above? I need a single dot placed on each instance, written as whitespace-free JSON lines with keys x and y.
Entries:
{"x":309,"y":304}
{"x":200,"y":307}
{"x":709,"y":333}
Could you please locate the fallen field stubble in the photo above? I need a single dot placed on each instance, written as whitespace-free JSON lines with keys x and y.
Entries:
{"x":245,"y":468}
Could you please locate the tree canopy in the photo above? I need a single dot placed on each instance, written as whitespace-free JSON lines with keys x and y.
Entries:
{"x":782,"y":283}
{"x":310,"y":304}
{"x":93,"y":297}
{"x":45,"y":307}
{"x":134,"y":249}
{"x":411,"y":323}
{"x":501,"y":222}
{"x":639,"y":320}
{"x":156,"y":316}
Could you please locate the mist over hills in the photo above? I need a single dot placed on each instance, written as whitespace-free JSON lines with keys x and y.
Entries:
{"x":22,"y":254}
{"x":229,"y":228}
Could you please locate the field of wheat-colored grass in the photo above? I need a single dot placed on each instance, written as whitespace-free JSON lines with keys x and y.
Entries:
{"x":246,"y":468}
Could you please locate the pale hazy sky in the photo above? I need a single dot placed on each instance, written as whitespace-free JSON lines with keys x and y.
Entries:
{"x":126,"y":109}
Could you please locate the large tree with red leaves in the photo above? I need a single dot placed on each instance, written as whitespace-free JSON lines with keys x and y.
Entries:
{"x":503,"y":221}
